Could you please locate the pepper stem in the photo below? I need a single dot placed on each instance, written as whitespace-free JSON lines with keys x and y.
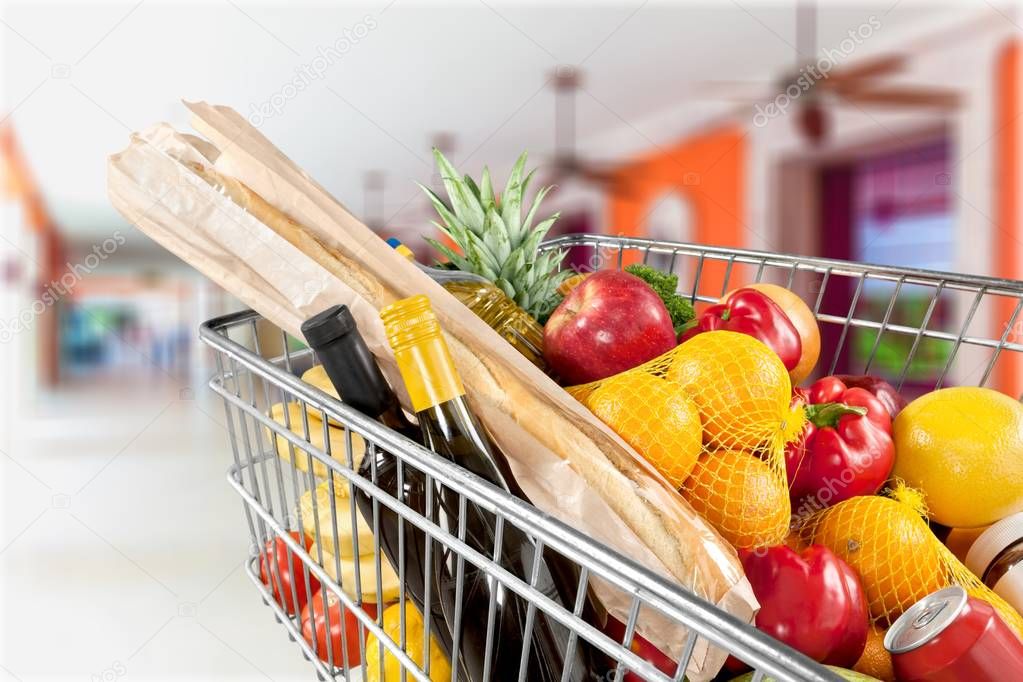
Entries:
{"x":823,"y":415}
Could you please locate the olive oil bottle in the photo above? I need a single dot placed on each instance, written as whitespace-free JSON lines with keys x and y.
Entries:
{"x":451,"y":430}
{"x":355,"y":374}
{"x":490,"y":304}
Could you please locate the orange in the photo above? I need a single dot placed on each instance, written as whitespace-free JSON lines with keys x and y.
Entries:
{"x":741,"y":496}
{"x":741,"y":388}
{"x":876,"y":661}
{"x":653,"y":416}
{"x":888,"y":543}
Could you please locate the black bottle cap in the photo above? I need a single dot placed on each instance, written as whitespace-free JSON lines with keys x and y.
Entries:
{"x":331,"y":324}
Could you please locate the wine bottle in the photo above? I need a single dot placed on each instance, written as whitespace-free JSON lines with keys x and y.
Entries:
{"x":355,"y":374}
{"x":450,"y":429}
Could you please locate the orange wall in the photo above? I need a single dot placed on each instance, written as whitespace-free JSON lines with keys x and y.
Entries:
{"x":1008,"y":173}
{"x":709,"y":170}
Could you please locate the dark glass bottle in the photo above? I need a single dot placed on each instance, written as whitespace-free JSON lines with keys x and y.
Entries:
{"x":353,"y":371}
{"x":451,"y":430}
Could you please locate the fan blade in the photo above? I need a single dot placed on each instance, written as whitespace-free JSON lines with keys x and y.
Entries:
{"x":870,"y":67}
{"x":905,"y":97}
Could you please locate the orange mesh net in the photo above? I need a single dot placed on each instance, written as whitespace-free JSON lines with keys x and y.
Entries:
{"x":898,"y":558}
{"x":713,"y":416}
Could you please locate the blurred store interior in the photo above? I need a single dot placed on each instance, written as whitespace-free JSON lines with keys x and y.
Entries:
{"x":887,"y":132}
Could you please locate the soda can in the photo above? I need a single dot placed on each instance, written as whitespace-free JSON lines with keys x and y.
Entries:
{"x":949,"y":636}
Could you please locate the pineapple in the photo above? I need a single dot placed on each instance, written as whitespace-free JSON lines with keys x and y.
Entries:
{"x":495,"y":241}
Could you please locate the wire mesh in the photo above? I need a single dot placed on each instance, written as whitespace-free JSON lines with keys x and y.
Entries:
{"x":298,"y":469}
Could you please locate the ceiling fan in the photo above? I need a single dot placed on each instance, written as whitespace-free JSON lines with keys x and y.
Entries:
{"x":566,"y":163}
{"x":819,"y":90}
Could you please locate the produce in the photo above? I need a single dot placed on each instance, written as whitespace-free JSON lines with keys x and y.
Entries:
{"x":439,"y":668}
{"x":333,"y":627}
{"x":615,"y":629}
{"x":741,"y":497}
{"x":887,"y":542}
{"x":803,"y":320}
{"x":319,"y":524}
{"x":849,"y":675}
{"x":665,"y":284}
{"x":655,"y":417}
{"x":389,"y":583}
{"x":572,"y":282}
{"x":881,"y":389}
{"x":846,"y":449}
{"x":317,"y":376}
{"x":963,"y":447}
{"x":493,"y":238}
{"x":338,"y":449}
{"x":286,"y":578}
{"x":811,"y":601}
{"x":748,"y":311}
{"x":611,"y":322}
{"x":741,"y":388}
{"x":876,"y":660}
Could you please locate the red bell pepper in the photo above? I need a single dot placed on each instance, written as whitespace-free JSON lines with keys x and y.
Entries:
{"x":845,"y":450}
{"x":750,"y":312}
{"x":812,"y":601}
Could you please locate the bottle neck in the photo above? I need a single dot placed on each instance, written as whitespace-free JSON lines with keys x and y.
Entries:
{"x":429,"y":372}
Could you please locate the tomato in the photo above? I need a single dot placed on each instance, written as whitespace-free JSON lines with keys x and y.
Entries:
{"x":283,"y":575}
{"x":615,"y":629}
{"x":313,"y":619}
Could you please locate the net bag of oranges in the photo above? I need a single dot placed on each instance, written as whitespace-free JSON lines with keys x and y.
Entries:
{"x":713,"y":416}
{"x":900,"y":561}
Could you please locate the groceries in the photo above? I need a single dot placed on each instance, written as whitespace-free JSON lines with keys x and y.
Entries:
{"x":846,"y":449}
{"x":615,"y":629}
{"x":336,"y":635}
{"x":250,"y":219}
{"x":281,"y":569}
{"x":898,"y":558}
{"x":875,"y":660}
{"x":802,"y":318}
{"x":435,"y":665}
{"x":963,"y":448}
{"x":451,"y":430}
{"x":749,"y":311}
{"x":665,"y":285}
{"x":611,"y":322}
{"x":357,"y":575}
{"x":996,"y":557}
{"x":879,"y":388}
{"x":491,"y":304}
{"x":950,"y":636}
{"x":494,"y":239}
{"x":664,"y":426}
{"x":849,"y":675}
{"x":811,"y":600}
{"x":309,"y":429}
{"x":325,"y":517}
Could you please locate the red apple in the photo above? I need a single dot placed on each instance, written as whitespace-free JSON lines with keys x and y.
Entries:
{"x":615,"y":629}
{"x":611,"y":322}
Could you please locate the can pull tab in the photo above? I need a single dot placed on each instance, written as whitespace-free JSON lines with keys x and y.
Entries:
{"x":928,"y":615}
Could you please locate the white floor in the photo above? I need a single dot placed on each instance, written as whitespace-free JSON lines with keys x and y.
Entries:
{"x":121,"y":545}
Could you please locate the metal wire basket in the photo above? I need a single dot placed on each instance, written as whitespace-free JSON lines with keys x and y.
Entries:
{"x":963,"y":328}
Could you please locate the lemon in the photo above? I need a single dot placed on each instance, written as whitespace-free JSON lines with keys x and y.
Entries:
{"x":655,"y":417}
{"x":963,"y":447}
{"x":440,"y":669}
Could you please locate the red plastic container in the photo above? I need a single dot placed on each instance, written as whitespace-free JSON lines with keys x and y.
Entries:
{"x":949,"y":636}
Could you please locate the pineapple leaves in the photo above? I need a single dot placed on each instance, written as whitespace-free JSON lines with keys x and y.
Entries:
{"x":494,"y":239}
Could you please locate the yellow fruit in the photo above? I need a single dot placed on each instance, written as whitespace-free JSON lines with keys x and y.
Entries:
{"x":317,"y":376}
{"x":655,"y":417}
{"x":963,"y":447}
{"x":741,"y":496}
{"x":741,"y":388}
{"x":876,"y":661}
{"x":888,"y":543}
{"x":303,"y":458}
{"x":440,"y":669}
{"x":367,"y":575}
{"x":342,"y":513}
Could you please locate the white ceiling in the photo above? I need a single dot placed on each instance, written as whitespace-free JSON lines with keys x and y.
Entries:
{"x":476,"y":69}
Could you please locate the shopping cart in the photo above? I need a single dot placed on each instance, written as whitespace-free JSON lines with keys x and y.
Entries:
{"x":922,"y":329}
